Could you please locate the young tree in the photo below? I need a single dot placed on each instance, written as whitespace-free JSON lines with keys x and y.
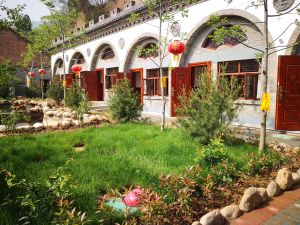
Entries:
{"x":156,"y":7}
{"x":56,"y":25}
{"x":221,"y":32}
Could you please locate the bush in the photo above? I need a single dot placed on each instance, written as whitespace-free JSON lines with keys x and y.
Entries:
{"x":8,"y":80}
{"x":74,"y":96}
{"x":11,"y":119}
{"x":123,"y":104}
{"x":32,"y":92}
{"x":264,"y":161}
{"x":56,"y":91}
{"x":220,"y":168}
{"x":206,"y":113}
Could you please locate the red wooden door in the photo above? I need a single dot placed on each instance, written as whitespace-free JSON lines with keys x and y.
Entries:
{"x":100,"y":74}
{"x":180,"y":78}
{"x":69,"y":79}
{"x":288,"y":93}
{"x":136,"y":80}
{"x":91,"y":82}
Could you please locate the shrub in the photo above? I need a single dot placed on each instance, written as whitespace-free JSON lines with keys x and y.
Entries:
{"x":32,"y":92}
{"x":206,"y":113}
{"x":220,"y":168}
{"x":10,"y":119}
{"x":264,"y":161}
{"x":56,"y":91}
{"x":211,"y":154}
{"x":8,"y":80}
{"x":74,"y":96}
{"x":123,"y":104}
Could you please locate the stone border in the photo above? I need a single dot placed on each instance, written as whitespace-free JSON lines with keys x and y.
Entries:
{"x":253,"y":197}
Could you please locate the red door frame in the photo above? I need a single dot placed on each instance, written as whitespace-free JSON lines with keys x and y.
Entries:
{"x":140,"y":70}
{"x":187,"y":71}
{"x":102,"y":80}
{"x":205,"y":63}
{"x":283,"y":62}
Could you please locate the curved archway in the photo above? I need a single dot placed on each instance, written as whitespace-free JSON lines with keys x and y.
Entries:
{"x":205,"y":30}
{"x":58,"y":67}
{"x":142,"y":40}
{"x":104,"y":54}
{"x":77,"y":58}
{"x":295,"y":37}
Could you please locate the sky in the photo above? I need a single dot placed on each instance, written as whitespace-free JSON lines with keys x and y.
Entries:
{"x":34,"y":8}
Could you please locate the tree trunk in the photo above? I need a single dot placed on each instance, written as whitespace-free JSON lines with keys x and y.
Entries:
{"x":262,"y":140}
{"x":64,"y":70}
{"x":163,"y":116}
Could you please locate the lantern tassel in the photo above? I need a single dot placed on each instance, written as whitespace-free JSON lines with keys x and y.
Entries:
{"x":175,"y":58}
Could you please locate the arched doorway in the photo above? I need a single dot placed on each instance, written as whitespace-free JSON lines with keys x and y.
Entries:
{"x":142,"y":66}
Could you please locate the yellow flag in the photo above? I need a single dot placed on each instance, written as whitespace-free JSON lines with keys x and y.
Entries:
{"x":64,"y":83}
{"x":265,"y":102}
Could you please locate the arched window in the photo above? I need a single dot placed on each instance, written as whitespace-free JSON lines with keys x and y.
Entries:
{"x":228,"y":41}
{"x":59,"y":63}
{"x":149,"y":50}
{"x":107,"y":53}
{"x":80,"y":59}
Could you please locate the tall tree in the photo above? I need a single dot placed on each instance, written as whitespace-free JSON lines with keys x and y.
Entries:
{"x":11,"y":17}
{"x":156,"y":7}
{"x":221,"y":32}
{"x":56,"y":25}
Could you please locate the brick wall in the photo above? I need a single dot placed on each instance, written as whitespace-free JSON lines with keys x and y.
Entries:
{"x":12,"y":45}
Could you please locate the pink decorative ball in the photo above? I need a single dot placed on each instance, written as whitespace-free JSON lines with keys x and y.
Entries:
{"x":133,"y":198}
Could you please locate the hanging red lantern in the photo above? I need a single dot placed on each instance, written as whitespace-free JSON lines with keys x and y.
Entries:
{"x":176,"y":47}
{"x":76,"y":68}
{"x":31,"y":74}
{"x":42,"y":72}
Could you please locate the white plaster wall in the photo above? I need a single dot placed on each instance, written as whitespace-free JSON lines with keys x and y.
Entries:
{"x":250,"y":113}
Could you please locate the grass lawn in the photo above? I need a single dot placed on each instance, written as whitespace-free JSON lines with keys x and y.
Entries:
{"x":114,"y":156}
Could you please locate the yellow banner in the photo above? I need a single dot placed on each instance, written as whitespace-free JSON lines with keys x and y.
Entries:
{"x":265,"y":102}
{"x":64,"y":83}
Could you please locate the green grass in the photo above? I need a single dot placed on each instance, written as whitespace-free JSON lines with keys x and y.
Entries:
{"x":114,"y":156}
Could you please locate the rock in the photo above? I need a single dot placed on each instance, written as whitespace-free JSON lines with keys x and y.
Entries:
{"x":66,"y":124}
{"x":23,"y":126}
{"x":59,"y":113}
{"x":35,"y":109}
{"x":250,"y":200}
{"x":213,"y":218}
{"x":50,"y":113}
{"x":231,"y":212}
{"x":67,"y":114}
{"x":296,"y":178}
{"x":53,"y":125}
{"x":38,"y":126}
{"x":86,"y":120}
{"x":196,"y":223}
{"x":284,"y":179}
{"x":75,"y":122}
{"x":2,"y":128}
{"x":264,"y":194}
{"x":282,"y":147}
{"x":93,"y":118}
{"x":296,"y":150}
{"x":273,"y":189}
{"x":46,"y":109}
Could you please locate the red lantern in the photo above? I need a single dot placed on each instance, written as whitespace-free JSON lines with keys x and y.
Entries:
{"x":42,"y":72}
{"x":31,"y":74}
{"x":176,"y":47}
{"x":76,"y":68}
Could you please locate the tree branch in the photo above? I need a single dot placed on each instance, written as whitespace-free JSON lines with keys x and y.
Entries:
{"x":248,"y":46}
